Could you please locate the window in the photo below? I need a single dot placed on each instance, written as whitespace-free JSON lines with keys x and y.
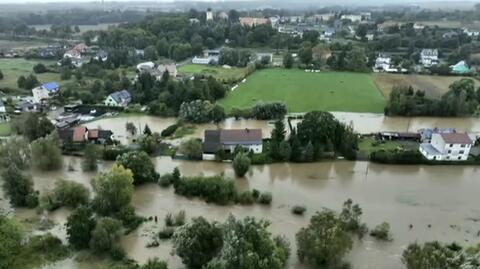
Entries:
{"x":461,"y":151}
{"x":459,"y":158}
{"x":448,"y":157}
{"x":449,"y":151}
{"x":451,"y":145}
{"x":463,"y":145}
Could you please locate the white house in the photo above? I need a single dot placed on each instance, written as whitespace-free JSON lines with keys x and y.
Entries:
{"x":119,"y":98}
{"x":351,"y":17}
{"x":45,"y":91}
{"x":418,"y":26}
{"x":447,"y":147}
{"x":228,"y":140}
{"x":471,"y":33}
{"x":145,"y":67}
{"x":209,"y":57}
{"x":382,"y":63}
{"x":171,"y":68}
{"x":429,"y":57}
{"x":209,"y":15}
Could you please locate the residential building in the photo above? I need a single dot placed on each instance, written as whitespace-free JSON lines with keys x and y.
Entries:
{"x":426,"y":133}
{"x":145,"y":67}
{"x":209,"y":57}
{"x":248,"y":21}
{"x":429,"y":57}
{"x":81,"y":135}
{"x":461,"y":68}
{"x":366,"y":16}
{"x":72,"y":54}
{"x":351,"y":17}
{"x":101,"y":56}
{"x":418,"y":26}
{"x":209,"y":15}
{"x":45,"y":91}
{"x":119,"y":98}
{"x":260,"y":56}
{"x":228,"y":139}
{"x":171,"y":68}
{"x":194,"y":20}
{"x":450,"y":34}
{"x":471,"y":33}
{"x":447,"y":147}
{"x":2,"y":107}
{"x":25,"y":105}
{"x":223,"y":15}
{"x":382,"y":63}
{"x":81,"y":47}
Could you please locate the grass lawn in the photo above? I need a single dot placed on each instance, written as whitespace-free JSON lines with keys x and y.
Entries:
{"x":303,"y":92}
{"x":434,"y":86}
{"x":5,"y":129}
{"x":14,"y":68}
{"x":220,"y":73}
{"x":368,"y":145}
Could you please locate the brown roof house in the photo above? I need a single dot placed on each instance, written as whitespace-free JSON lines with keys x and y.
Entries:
{"x":227,"y":140}
{"x":448,"y":147}
{"x":81,"y":135}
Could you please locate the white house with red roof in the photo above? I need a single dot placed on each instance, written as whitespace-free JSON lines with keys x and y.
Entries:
{"x":447,"y":147}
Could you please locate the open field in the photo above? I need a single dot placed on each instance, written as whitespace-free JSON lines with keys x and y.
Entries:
{"x":19,"y":44}
{"x":302,"y":91}
{"x":441,"y":24}
{"x":13,"y":68}
{"x":220,"y":73}
{"x":83,"y":28}
{"x":5,"y":129}
{"x":434,"y":86}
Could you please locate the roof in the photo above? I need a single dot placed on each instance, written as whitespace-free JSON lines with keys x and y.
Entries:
{"x":99,"y":134}
{"x":211,"y":143}
{"x":79,"y":134}
{"x":456,"y":138}
{"x":240,"y":135}
{"x":51,"y":86}
{"x":80,"y":47}
{"x":429,"y":52}
{"x":121,"y":96}
{"x":431,"y":150}
{"x":171,"y":68}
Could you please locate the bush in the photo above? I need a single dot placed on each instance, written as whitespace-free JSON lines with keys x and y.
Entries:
{"x":398,"y":157}
{"x":166,"y":180}
{"x":269,"y":111}
{"x":166,"y":233}
{"x":170,"y":130}
{"x":255,"y":194}
{"x":175,"y":220}
{"x":215,"y":189}
{"x":117,"y":253}
{"x":382,"y":232}
{"x":111,"y":154}
{"x":265,"y":198}
{"x":39,"y":68}
{"x":259,"y":159}
{"x":299,"y":209}
{"x":241,"y":164}
{"x":66,"y":193}
{"x":246,"y":198}
{"x":192,"y":149}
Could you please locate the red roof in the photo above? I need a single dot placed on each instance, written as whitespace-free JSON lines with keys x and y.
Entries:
{"x":79,"y":134}
{"x":93,"y":134}
{"x":456,"y":138}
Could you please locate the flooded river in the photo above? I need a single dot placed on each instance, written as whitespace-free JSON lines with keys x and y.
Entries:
{"x":363,"y":123}
{"x":444,"y":197}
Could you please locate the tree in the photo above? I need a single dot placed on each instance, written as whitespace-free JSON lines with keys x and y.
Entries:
{"x":217,"y":114}
{"x":141,"y":166}
{"x":147,"y":131}
{"x":150,"y":53}
{"x":305,"y":55}
{"x":356,"y":60}
{"x":324,"y":241}
{"x":32,"y":125}
{"x":351,"y":217}
{"x":18,"y":187}
{"x":10,"y":241}
{"x":241,"y":164}
{"x":131,"y":128}
{"x":40,"y":68}
{"x":65,"y":73}
{"x":1,"y":75}
{"x":382,"y":232}
{"x":278,"y":132}
{"x":105,"y":234}
{"x":288,"y":60}
{"x":196,"y":111}
{"x":29,"y":82}
{"x":90,"y":158}
{"x":46,"y":153}
{"x":80,"y":225}
{"x":16,"y":152}
{"x":197,"y":242}
{"x":113,"y":190}
{"x":154,"y":264}
{"x":192,"y":149}
{"x":21,"y":82}
{"x":67,"y":193}
{"x":429,"y":255}
{"x":248,"y":244}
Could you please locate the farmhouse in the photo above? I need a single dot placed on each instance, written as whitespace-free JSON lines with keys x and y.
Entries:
{"x":119,"y":98}
{"x":248,"y":21}
{"x":82,"y":135}
{"x":447,"y":147}
{"x":426,"y":133}
{"x":227,"y":140}
{"x":45,"y":91}
{"x":429,"y":57}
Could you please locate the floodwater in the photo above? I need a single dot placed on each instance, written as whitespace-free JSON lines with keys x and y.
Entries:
{"x":363,"y":123}
{"x":445,"y":197}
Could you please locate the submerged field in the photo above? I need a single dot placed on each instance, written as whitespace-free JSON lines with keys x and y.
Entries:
{"x":303,"y":92}
{"x":434,"y":86}
{"x":220,"y":73}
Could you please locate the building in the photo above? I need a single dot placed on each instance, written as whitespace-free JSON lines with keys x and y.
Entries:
{"x":81,"y":135}
{"x":447,"y":147}
{"x":45,"y":91}
{"x":351,"y":17}
{"x":227,"y":140}
{"x":25,"y":105}
{"x":209,"y":15}
{"x":429,"y":57}
{"x":382,"y":63}
{"x":2,"y":107}
{"x":418,"y":26}
{"x":145,"y":67}
{"x":426,"y":133}
{"x":171,"y":68}
{"x":249,"y":21}
{"x":119,"y":98}
{"x":209,"y":57}
{"x":471,"y":33}
{"x":223,"y":15}
{"x":461,"y":68}
{"x":72,"y":54}
{"x":101,"y":56}
{"x":260,"y":56}
{"x":81,"y":47}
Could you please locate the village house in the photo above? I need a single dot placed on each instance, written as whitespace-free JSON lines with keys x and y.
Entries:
{"x":209,"y":15}
{"x":101,"y":56}
{"x":81,"y":135}
{"x":228,"y":139}
{"x":209,"y":57}
{"x":248,"y":21}
{"x":471,"y":33}
{"x":418,"y":26}
{"x":118,"y":99}
{"x":382,"y":63}
{"x":3,"y":112}
{"x":426,"y":133}
{"x":447,"y":147}
{"x":460,"y":68}
{"x":351,"y":17}
{"x":25,"y":105}
{"x":171,"y":68}
{"x":429,"y":57}
{"x":45,"y":91}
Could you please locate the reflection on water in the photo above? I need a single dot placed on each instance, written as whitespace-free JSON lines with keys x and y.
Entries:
{"x":439,"y":196}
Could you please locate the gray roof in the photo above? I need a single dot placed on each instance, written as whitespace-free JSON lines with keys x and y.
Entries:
{"x":430,"y":149}
{"x":121,"y":96}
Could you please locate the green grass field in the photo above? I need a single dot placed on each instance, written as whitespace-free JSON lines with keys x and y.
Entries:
{"x":5,"y":129}
{"x":303,"y":92}
{"x":220,"y":73}
{"x":14,"y":68}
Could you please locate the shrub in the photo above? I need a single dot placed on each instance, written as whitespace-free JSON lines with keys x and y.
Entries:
{"x":265,"y":198}
{"x":241,"y":164}
{"x":215,"y":189}
{"x":299,"y":209}
{"x":175,"y":220}
{"x":192,"y":149}
{"x":398,"y":157}
{"x":166,"y":233}
{"x":246,"y":198}
{"x":111,"y":154}
{"x":269,"y":111}
{"x":166,"y":180}
{"x":117,"y":253}
{"x":170,"y":130}
{"x":259,"y":159}
{"x":66,"y":193}
{"x":255,"y":194}
{"x":382,"y":232}
{"x":39,"y":68}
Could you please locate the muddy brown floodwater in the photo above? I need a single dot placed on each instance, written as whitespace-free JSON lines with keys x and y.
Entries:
{"x":442,"y":197}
